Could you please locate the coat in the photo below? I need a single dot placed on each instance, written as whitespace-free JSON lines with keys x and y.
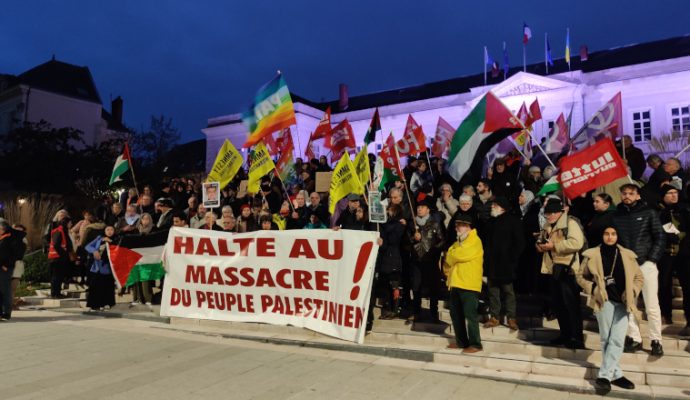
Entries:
{"x":592,"y":271}
{"x":389,"y":259}
{"x":464,"y":262}
{"x":639,"y":229}
{"x":505,"y":241}
{"x":565,"y":248}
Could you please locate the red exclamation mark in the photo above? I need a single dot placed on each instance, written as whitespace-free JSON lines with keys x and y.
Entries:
{"x":362,"y":259}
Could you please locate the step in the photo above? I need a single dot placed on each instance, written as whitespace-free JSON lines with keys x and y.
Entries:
{"x":522,"y":362}
{"x":47,"y":302}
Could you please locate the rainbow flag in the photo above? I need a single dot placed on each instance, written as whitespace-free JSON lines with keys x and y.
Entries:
{"x":272,"y":111}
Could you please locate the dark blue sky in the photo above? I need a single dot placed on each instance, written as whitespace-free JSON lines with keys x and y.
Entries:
{"x":192,"y":60}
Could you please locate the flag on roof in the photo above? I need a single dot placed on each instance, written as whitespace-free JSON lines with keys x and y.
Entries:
{"x":567,"y":47}
{"x":526,"y":33}
{"x":547,"y":56}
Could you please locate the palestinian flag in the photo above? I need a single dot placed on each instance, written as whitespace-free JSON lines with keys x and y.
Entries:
{"x":138,"y":258}
{"x":374,"y":126}
{"x":487,"y":124}
{"x":550,"y":186}
{"x":121,"y":165}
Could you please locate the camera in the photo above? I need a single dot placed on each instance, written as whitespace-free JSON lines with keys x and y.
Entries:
{"x":542,"y":241}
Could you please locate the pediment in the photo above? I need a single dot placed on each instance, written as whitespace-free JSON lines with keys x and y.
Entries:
{"x":525,"y":83}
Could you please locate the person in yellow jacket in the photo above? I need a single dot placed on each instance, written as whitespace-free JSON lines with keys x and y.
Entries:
{"x":463,"y":267}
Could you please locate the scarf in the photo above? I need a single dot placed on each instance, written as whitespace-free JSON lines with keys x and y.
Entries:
{"x":421,"y":221}
{"x":131,"y":219}
{"x":529,"y":198}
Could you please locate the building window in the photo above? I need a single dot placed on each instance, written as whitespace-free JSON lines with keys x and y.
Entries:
{"x":642,"y":125}
{"x":680,"y":119}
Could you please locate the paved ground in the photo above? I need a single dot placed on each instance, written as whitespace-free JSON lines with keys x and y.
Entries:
{"x":52,"y":355}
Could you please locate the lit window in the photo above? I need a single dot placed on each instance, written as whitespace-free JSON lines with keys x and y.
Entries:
{"x":642,"y":125}
{"x":680,"y":119}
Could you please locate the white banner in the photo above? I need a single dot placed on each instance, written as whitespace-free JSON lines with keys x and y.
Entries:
{"x":315,"y":279}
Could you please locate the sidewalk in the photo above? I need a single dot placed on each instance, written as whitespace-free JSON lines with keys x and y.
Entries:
{"x":515,"y":357}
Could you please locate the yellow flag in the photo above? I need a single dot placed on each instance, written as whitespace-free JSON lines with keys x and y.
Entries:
{"x":261,"y":165}
{"x":343,"y":182}
{"x":362,"y":166}
{"x":228,"y":162}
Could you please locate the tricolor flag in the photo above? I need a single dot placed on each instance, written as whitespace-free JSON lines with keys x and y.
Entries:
{"x":374,"y":127}
{"x":137,"y":258}
{"x":271,"y":111}
{"x":550,"y":186}
{"x":121,"y":165}
{"x":487,"y":124}
{"x":526,"y":33}
{"x":491,"y":63}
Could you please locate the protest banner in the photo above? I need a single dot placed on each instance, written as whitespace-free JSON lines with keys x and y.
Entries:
{"x":315,"y":279}
{"x":591,"y":168}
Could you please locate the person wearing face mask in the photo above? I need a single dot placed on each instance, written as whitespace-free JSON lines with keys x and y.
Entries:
{"x":560,"y":241}
{"x":504,"y":244}
{"x":612,"y":281}
{"x":463,"y":268}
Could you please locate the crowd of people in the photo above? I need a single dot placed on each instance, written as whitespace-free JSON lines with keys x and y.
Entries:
{"x":469,"y":243}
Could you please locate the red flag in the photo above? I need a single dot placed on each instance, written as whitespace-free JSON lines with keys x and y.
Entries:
{"x":413,"y":141}
{"x":281,"y":138}
{"x":286,"y":154}
{"x":444,"y":133}
{"x":391,"y":159}
{"x":271,"y":145}
{"x":558,"y":136}
{"x":522,"y":113}
{"x":309,"y":151}
{"x":607,"y":122}
{"x":340,"y":139}
{"x":591,"y":168}
{"x":324,"y":127}
{"x":534,"y":113}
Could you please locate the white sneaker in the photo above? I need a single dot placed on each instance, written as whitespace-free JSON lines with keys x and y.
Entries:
{"x":134,"y":304}
{"x":106,"y":308}
{"x":149,"y":305}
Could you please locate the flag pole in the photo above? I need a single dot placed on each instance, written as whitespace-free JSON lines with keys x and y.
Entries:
{"x":407,"y":189}
{"x":545,"y":155}
{"x":524,"y":57}
{"x":546,"y":52}
{"x":682,"y":151}
{"x":131,"y":162}
{"x":485,"y":61}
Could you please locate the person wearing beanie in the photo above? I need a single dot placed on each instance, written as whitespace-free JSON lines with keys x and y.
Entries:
{"x":463,"y":268}
{"x":504,"y":244}
{"x":427,"y":238}
{"x":612,"y":281}
{"x":560,"y":241}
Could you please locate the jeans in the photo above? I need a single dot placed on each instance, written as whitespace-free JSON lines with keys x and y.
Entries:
{"x":463,"y":310}
{"x":613,"y":323}
{"x":650,"y":294}
{"x":502,"y":300}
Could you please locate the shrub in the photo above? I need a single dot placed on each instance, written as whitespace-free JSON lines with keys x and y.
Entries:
{"x":36,"y":268}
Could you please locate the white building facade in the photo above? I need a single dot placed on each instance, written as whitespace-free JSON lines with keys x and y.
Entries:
{"x":655,"y":99}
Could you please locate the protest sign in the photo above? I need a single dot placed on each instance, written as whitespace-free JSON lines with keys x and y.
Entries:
{"x":315,"y":279}
{"x":211,"y":194}
{"x":323,"y":181}
{"x":377,"y":212}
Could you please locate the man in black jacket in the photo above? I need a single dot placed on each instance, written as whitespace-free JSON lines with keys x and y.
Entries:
{"x":427,"y":238}
{"x":639,"y":229}
{"x":504,"y":244}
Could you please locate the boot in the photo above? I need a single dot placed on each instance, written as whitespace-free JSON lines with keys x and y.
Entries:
{"x":492,"y":323}
{"x":512,"y":324}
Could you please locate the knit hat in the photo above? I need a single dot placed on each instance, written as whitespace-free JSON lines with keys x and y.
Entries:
{"x":667,"y":188}
{"x":502,"y":202}
{"x":553,"y":206}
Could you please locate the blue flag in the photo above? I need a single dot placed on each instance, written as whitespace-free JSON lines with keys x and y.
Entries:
{"x":549,"y":59}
